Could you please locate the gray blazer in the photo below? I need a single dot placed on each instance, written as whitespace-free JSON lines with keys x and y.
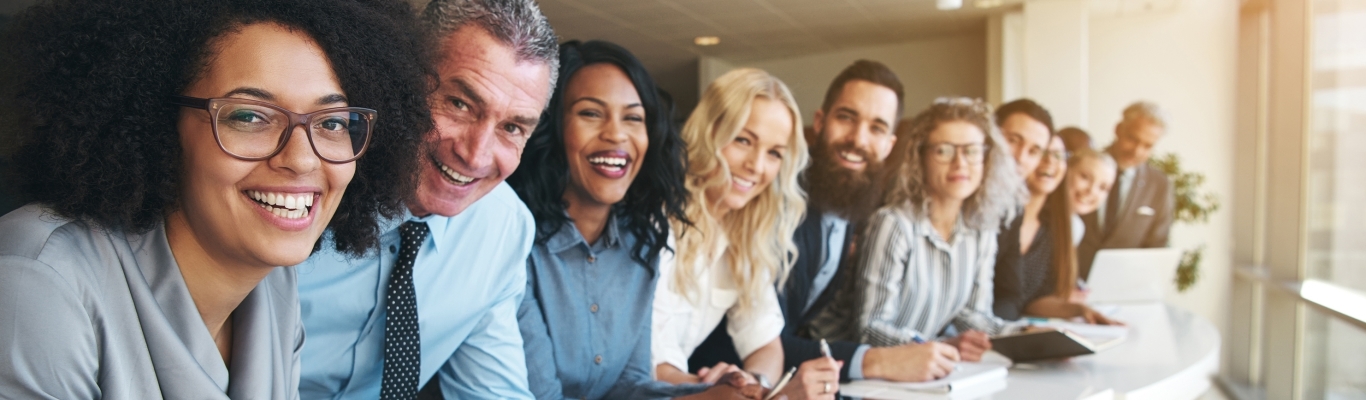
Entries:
{"x":1144,"y":221}
{"x":90,"y":313}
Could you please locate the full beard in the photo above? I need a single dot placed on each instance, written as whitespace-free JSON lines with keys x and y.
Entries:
{"x":832,"y":188}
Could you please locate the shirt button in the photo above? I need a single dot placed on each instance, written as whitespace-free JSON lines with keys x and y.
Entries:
{"x":597,"y":360}
{"x":593,"y":308}
{"x":592,"y":259}
{"x":393,"y":249}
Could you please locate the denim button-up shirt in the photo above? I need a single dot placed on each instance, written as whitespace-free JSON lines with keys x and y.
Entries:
{"x":585,"y":319}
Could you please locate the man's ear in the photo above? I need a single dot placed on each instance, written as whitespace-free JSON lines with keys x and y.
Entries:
{"x":818,"y":122}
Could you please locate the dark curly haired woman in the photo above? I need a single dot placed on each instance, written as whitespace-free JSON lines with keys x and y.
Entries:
{"x":177,"y":152}
{"x":602,"y":174}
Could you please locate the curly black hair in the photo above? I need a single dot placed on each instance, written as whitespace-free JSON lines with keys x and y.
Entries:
{"x":658,"y":192}
{"x":85,"y":89}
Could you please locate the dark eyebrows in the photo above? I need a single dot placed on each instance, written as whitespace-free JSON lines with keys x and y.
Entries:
{"x":600,"y":102}
{"x":854,"y":113}
{"x":262,"y":94}
{"x":590,"y":100}
{"x":331,"y":99}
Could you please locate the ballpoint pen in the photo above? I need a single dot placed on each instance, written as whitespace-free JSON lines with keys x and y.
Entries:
{"x":781,"y":382}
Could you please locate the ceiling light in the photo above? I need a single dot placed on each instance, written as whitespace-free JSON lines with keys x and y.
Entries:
{"x":948,"y":4}
{"x":988,"y":3}
{"x":706,"y":40}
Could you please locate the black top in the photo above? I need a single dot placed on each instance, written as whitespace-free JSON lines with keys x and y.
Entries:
{"x":811,"y":245}
{"x":1022,"y":278}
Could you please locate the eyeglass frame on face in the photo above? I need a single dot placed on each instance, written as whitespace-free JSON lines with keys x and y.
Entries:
{"x":1057,"y":156}
{"x":959,"y":150}
{"x":295,"y":119}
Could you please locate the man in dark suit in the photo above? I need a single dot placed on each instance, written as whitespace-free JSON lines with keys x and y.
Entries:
{"x":852,"y":134}
{"x":1139,"y":210}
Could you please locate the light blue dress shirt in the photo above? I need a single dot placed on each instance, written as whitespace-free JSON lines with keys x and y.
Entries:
{"x":586,"y":319}
{"x":469,"y":276}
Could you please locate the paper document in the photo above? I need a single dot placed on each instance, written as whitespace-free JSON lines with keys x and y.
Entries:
{"x":967,"y":376}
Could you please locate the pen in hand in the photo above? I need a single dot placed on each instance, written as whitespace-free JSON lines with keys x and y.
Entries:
{"x":781,"y":383}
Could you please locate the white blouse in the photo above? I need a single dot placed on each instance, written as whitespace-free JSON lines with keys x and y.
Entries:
{"x":680,"y":325}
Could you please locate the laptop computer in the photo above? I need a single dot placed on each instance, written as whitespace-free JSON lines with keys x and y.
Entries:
{"x":1132,"y":275}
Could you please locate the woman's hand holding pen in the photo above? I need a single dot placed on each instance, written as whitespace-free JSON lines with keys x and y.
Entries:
{"x":912,"y":362}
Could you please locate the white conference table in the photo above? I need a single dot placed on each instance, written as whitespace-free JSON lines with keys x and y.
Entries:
{"x":1170,"y":353}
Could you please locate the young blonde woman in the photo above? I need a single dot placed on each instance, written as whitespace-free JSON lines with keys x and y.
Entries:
{"x":745,"y":150}
{"x":1090,"y":175}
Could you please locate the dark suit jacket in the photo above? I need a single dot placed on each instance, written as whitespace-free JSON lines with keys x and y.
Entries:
{"x":1144,"y":220}
{"x":811,"y":245}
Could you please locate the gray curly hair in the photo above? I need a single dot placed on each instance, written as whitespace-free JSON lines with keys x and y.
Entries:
{"x":1002,"y":192}
{"x":517,"y":23}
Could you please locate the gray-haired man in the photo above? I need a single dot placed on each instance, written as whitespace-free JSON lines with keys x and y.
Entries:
{"x":438,"y":302}
{"x":1139,"y":210}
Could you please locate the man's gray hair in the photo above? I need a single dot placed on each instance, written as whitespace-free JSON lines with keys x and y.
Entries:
{"x":1144,"y":111}
{"x":517,"y":23}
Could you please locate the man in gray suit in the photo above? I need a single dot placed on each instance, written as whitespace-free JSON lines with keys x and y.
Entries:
{"x":1138,"y":212}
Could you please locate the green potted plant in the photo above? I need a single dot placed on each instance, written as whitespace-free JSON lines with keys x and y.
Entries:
{"x":1192,"y":206}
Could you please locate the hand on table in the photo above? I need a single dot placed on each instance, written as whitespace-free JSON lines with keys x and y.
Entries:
{"x":721,"y":369}
{"x":910,"y":362}
{"x":1079,"y":296}
{"x":971,"y":345}
{"x":731,"y":386}
{"x":1095,"y":317}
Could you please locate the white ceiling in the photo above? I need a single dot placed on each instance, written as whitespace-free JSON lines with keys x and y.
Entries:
{"x":661,"y":32}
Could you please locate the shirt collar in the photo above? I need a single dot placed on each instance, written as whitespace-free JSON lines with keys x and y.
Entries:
{"x":927,"y":230}
{"x":436,"y":224}
{"x":569,"y":236}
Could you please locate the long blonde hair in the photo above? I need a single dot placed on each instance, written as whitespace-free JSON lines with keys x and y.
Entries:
{"x":760,"y":233}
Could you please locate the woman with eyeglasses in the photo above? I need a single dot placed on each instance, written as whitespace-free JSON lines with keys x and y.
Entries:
{"x":926,"y":259}
{"x":1037,"y":275}
{"x":176,"y":153}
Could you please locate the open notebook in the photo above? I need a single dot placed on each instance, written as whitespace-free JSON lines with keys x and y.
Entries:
{"x":971,"y":380}
{"x":1066,"y":341}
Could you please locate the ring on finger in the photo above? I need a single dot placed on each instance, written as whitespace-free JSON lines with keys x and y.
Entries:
{"x":827,"y":388}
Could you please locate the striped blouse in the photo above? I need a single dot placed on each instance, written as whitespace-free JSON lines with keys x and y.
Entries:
{"x":914,"y":282}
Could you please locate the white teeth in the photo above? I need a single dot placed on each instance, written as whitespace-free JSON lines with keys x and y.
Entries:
{"x":850,"y":156}
{"x":613,"y":161}
{"x":455,"y":176}
{"x":744,"y":183}
{"x":284,"y":205}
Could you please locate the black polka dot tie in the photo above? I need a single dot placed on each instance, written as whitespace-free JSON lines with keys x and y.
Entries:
{"x":402,"y":342}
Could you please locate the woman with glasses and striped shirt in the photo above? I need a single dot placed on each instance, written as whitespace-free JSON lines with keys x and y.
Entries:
{"x":926,"y":259}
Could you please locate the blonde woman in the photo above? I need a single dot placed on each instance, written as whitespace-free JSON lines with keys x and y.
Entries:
{"x":745,"y":150}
